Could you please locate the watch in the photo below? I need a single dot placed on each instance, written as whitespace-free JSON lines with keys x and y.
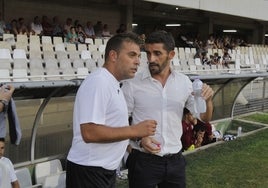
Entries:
{"x":5,"y":104}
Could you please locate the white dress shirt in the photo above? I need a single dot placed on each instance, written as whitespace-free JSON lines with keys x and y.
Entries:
{"x":148,"y":99}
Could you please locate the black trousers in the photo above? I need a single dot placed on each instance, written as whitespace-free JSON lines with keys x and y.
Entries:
{"x":79,"y":176}
{"x":148,"y":170}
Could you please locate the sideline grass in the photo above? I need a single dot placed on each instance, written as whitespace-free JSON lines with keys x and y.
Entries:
{"x":239,"y":163}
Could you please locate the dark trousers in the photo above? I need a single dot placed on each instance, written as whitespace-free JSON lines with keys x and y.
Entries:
{"x":79,"y":176}
{"x":148,"y":170}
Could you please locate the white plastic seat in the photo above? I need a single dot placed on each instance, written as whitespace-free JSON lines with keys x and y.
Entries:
{"x":6,"y":45}
{"x":89,"y":41}
{"x":5,"y":54}
{"x":102,"y":48}
{"x":36,"y":63}
{"x":98,"y":41}
{"x":19,"y":54}
{"x":60,"y":47}
{"x":47,"y":47}
{"x":10,"y":38}
{"x":20,"y":75}
{"x":78,"y":63}
{"x":61,"y":55}
{"x":22,"y":38}
{"x":74,"y":55}
{"x":92,"y":47}
{"x":20,"y":64}
{"x":96,"y":55}
{"x":85,"y":54}
{"x":24,"y":178}
{"x":22,"y":45}
{"x":82,"y":47}
{"x":51,"y":63}
{"x":4,"y":75}
{"x":82,"y":72}
{"x":55,"y":180}
{"x":57,"y":40}
{"x":70,"y":47}
{"x":44,"y":169}
{"x":65,"y":64}
{"x":48,"y":55}
{"x":37,"y":74}
{"x":35,"y":54}
{"x":46,"y":40}
{"x":5,"y":64}
{"x":34,"y":39}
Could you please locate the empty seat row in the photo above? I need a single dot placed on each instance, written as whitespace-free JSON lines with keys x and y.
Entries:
{"x":46,"y":175}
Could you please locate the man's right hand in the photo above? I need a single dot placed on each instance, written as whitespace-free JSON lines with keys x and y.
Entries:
{"x":145,"y":128}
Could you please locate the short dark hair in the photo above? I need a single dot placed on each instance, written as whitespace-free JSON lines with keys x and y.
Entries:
{"x":186,"y":111}
{"x":2,"y":139}
{"x":161,"y":37}
{"x":115,"y":42}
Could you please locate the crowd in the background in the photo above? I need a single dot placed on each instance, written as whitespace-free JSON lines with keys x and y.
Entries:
{"x":73,"y":30}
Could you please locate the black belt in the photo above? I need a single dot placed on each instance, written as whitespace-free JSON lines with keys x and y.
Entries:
{"x":152,"y":156}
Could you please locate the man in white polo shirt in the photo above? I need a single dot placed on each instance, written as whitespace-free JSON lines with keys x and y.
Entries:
{"x":100,"y":119}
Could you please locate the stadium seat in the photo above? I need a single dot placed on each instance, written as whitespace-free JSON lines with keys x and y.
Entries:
{"x":82,"y":47}
{"x":22,"y":38}
{"x":47,"y":168}
{"x":60,"y":47}
{"x":89,"y":41}
{"x":98,"y":41}
{"x":5,"y":54}
{"x":19,"y":54}
{"x":10,"y":38}
{"x":70,"y":47}
{"x":48,"y":47}
{"x":25,"y":179}
{"x":74,"y":55}
{"x":57,"y":40}
{"x":5,"y":45}
{"x":78,"y":63}
{"x":55,"y":180}
{"x":46,"y":40}
{"x":4,"y":75}
{"x":85,"y":54}
{"x":20,"y":75}
{"x":82,"y":72}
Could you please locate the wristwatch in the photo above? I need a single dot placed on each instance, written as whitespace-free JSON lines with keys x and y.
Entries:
{"x":5,"y":104}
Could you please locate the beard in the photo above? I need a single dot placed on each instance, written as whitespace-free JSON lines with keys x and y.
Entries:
{"x":156,"y":68}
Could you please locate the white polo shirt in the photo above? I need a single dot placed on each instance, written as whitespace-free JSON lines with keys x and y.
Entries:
{"x":7,"y":172}
{"x":99,"y":100}
{"x":148,"y":99}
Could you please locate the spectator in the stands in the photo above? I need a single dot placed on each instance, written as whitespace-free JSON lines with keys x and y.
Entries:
{"x":98,"y":27}
{"x":106,"y":32}
{"x":36,"y":26}
{"x":81,"y":34}
{"x":211,"y":42}
{"x":72,"y":36}
{"x":67,"y":26}
{"x":57,"y":27}
{"x":47,"y":26}
{"x":122,"y":29}
{"x":89,"y":30}
{"x":22,"y":27}
{"x":226,"y":58}
{"x":3,"y":28}
{"x":13,"y":27}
